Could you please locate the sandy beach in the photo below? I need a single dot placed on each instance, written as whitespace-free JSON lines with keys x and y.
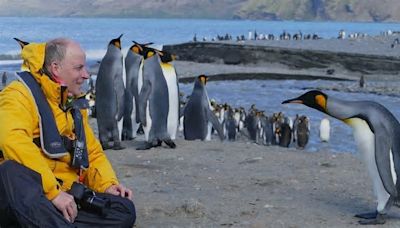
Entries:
{"x":243,"y":184}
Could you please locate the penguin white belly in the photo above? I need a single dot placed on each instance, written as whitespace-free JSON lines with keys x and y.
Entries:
{"x":209,"y":130}
{"x":324,"y":130}
{"x":181,"y":123}
{"x":147,"y":128}
{"x":365,"y":140}
{"x":236,"y":116}
{"x":140,"y":76}
{"x":135,"y":126}
{"x":173,"y":98}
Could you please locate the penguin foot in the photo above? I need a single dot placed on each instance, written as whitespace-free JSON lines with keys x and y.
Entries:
{"x":368,"y":215}
{"x":140,"y":130}
{"x":145,"y":146}
{"x":117,"y":146}
{"x":105,"y":146}
{"x":156,"y":143}
{"x":378,"y":220}
{"x":125,"y":137}
{"x":170,"y":143}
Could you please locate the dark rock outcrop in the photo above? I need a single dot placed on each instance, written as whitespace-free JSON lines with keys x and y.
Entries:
{"x":231,"y":53}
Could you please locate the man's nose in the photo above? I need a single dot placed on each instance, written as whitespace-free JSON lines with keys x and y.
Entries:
{"x":85,"y":73}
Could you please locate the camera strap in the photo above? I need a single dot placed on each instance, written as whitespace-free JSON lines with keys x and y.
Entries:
{"x":51,"y":142}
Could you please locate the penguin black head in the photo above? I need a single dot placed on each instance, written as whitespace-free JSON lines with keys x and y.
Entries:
{"x":139,"y":48}
{"x":148,"y":52}
{"x":203,"y":79}
{"x":21,"y":42}
{"x":116,"y":42}
{"x":313,"y":99}
{"x":166,"y":57}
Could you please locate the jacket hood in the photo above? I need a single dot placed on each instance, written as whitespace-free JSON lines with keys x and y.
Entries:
{"x":33,"y":59}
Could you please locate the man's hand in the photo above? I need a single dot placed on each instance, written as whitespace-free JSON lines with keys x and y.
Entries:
{"x":65,"y":203}
{"x":119,"y":190}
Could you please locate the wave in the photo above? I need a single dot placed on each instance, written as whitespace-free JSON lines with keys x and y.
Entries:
{"x":10,"y":56}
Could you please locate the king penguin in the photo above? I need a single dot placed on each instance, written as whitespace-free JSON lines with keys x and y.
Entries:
{"x":157,"y":101}
{"x":303,"y":131}
{"x":171,"y":78}
{"x":198,"y":114}
{"x":324,"y":130}
{"x":110,"y":92}
{"x":377,"y":134}
{"x":133,"y":68}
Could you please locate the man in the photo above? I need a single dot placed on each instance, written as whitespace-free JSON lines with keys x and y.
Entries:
{"x":34,"y":183}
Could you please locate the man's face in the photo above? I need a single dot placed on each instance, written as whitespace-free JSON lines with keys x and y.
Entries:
{"x":72,"y":70}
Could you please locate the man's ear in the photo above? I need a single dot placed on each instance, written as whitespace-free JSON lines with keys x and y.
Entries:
{"x":54,"y":69}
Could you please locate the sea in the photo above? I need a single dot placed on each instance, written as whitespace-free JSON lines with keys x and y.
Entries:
{"x":94,"y":34}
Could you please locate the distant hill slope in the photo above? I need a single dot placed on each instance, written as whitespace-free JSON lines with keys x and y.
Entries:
{"x":336,"y":10}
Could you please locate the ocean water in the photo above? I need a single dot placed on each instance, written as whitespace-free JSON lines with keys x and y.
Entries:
{"x":95,"y":33}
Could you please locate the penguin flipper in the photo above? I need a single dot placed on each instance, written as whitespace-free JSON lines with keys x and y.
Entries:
{"x":215,"y":123}
{"x":143,"y":98}
{"x":382,"y":159}
{"x":120,"y":96}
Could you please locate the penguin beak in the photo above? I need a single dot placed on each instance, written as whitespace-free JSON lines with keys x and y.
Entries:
{"x":293,"y":101}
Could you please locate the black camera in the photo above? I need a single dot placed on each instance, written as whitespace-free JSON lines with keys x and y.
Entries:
{"x":86,"y":199}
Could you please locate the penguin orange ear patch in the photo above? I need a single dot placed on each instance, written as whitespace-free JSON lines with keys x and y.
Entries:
{"x":135,"y":49}
{"x":321,"y":101}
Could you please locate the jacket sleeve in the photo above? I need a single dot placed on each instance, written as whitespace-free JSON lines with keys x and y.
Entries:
{"x":100,"y":174}
{"x":18,"y":120}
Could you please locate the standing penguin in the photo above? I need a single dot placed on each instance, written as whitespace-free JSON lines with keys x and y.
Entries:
{"x":302,"y":132}
{"x":197,"y":113}
{"x":155,"y":99}
{"x":110,"y":95}
{"x":133,"y":68}
{"x":377,"y":133}
{"x":324,"y":130}
{"x":171,"y":78}
{"x":230,"y":125}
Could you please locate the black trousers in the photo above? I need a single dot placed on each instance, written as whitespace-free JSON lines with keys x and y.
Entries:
{"x":23,"y":204}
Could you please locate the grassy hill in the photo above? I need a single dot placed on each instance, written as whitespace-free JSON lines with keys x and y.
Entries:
{"x":336,"y":10}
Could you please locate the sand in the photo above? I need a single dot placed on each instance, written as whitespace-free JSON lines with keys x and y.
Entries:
{"x":243,"y":184}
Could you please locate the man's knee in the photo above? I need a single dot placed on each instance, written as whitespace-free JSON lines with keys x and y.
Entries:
{"x":123,"y":210}
{"x":129,"y":216}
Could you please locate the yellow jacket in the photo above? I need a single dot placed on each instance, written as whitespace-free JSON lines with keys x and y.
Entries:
{"x":19,"y":121}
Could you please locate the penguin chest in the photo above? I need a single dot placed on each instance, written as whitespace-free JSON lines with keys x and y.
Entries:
{"x":364,"y":137}
{"x":173,"y":98}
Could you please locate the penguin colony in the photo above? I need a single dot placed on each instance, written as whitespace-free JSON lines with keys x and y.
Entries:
{"x":152,"y":100}
{"x":147,"y":101}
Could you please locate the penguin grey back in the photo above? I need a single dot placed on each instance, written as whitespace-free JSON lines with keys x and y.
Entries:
{"x":154,"y":94}
{"x":285,"y":135}
{"x":230,"y":124}
{"x":132,"y":68}
{"x":110,"y":92}
{"x":302,"y":132}
{"x":197,"y":114}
